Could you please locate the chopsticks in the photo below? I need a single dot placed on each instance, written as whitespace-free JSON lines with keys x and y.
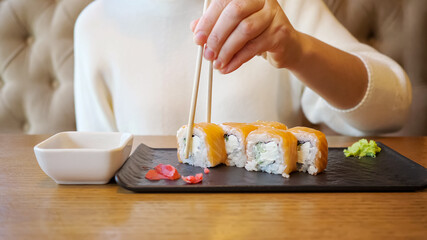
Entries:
{"x":209,"y":100}
{"x":196,"y":91}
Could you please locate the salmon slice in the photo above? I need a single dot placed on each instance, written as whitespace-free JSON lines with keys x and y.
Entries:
{"x":235,"y":142}
{"x":272,"y":124}
{"x":208,"y":147}
{"x":312,"y":150}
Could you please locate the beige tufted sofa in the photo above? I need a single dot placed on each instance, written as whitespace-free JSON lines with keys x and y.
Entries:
{"x":397,"y":28}
{"x":36,"y":65}
{"x":36,"y":56}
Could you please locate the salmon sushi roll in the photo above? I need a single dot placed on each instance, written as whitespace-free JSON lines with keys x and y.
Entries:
{"x":208,"y":147}
{"x":235,"y":142}
{"x":272,"y":124}
{"x":272,"y":150}
{"x":312,"y":150}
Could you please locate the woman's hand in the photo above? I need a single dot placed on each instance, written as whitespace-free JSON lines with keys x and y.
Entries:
{"x":237,"y":30}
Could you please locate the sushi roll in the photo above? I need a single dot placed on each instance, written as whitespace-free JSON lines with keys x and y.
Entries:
{"x":312,"y":150}
{"x":235,"y":142}
{"x":272,"y":124}
{"x":208,"y":147}
{"x":271,"y":150}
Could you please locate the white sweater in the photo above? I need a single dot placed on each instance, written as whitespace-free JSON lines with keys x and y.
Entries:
{"x":135,"y":60}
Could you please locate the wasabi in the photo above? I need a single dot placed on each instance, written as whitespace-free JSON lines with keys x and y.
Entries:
{"x":362,"y":148}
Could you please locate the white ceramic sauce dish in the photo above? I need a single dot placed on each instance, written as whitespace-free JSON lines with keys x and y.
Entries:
{"x":83,"y":157}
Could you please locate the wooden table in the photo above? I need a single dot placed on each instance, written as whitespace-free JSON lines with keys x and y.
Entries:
{"x":32,"y":206}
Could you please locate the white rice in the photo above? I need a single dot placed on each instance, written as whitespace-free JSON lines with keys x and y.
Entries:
{"x":306,"y":156}
{"x":199,"y":154}
{"x":236,"y":154}
{"x":235,"y":147}
{"x":265,"y":154}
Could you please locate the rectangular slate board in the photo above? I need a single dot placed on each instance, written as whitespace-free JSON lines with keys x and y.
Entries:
{"x":389,"y":171}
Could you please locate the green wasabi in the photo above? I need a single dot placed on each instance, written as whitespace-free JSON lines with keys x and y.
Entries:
{"x":362,"y":148}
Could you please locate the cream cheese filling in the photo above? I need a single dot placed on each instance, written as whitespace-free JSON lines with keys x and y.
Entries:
{"x":266,"y":153}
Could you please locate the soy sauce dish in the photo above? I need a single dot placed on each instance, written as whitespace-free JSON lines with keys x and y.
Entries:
{"x":83,"y":157}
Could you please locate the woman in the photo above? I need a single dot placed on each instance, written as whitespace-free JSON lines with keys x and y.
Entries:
{"x":135,"y":62}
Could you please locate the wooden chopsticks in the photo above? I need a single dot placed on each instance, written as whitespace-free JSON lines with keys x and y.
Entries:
{"x":195,"y":93}
{"x":209,"y":100}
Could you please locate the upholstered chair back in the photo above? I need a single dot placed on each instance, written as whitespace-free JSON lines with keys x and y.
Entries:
{"x":397,"y":28}
{"x":36,"y":65}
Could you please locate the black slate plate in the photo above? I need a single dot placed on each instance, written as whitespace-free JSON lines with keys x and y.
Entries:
{"x":389,"y":171}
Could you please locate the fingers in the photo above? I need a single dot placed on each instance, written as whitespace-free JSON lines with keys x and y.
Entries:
{"x":208,"y":20}
{"x":235,"y":31}
{"x":268,"y":40}
{"x":232,"y":15}
{"x":250,"y":50}
{"x":193,"y":25}
{"x":248,"y":29}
